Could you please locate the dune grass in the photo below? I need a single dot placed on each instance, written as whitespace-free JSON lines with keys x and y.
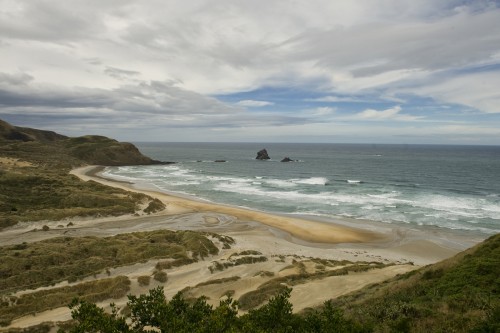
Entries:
{"x":31,"y":303}
{"x":65,"y":258}
{"x":460,"y":294}
{"x":42,"y":188}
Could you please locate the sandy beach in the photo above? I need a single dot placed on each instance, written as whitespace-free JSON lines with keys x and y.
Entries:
{"x":387,"y":241}
{"x":272,"y":235}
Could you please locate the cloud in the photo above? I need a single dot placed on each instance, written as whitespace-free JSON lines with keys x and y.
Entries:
{"x":336,"y":99}
{"x":472,"y":89}
{"x":142,"y":99}
{"x":252,"y":103}
{"x":323,"y":111}
{"x":388,"y":114}
{"x":159,"y":62}
{"x":119,"y":73}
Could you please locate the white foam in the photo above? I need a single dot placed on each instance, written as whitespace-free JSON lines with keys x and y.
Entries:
{"x":312,"y":181}
{"x":303,"y":194}
{"x":280,"y":183}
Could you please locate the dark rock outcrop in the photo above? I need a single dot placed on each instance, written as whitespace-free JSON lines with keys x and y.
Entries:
{"x":262,"y":155}
{"x":220,"y":161}
{"x":287,"y":159}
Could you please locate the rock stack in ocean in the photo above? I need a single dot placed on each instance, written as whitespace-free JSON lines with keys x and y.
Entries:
{"x":262,"y":155}
{"x":287,"y":159}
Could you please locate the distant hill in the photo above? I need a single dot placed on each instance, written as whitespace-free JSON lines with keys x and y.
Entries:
{"x":91,"y":149}
{"x":9,"y":132}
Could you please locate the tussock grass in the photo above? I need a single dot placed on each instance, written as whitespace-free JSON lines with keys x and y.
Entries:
{"x":66,"y":258}
{"x":222,"y":265}
{"x":32,"y":194}
{"x":93,"y":291}
{"x":144,"y":280}
{"x":226,"y":241}
{"x":460,"y":294}
{"x":174,"y":263}
{"x":218,"y":281}
{"x":160,"y":276}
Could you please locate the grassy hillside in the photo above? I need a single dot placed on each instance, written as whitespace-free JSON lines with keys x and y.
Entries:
{"x":35,"y":184}
{"x":461,"y":294}
{"x":17,"y":142}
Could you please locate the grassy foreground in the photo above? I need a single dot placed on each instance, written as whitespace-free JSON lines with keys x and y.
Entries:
{"x":460,"y":294}
{"x":42,"y":264}
{"x":456,"y":295}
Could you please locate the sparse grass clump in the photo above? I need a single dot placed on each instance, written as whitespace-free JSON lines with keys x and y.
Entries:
{"x":144,"y":280}
{"x":174,"y":263}
{"x":65,"y":258}
{"x":218,"y":281}
{"x":222,"y":265}
{"x":226,"y":241}
{"x":93,"y":291}
{"x":154,"y":206}
{"x":160,"y":276}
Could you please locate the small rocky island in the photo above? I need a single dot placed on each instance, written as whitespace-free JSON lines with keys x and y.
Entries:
{"x":287,"y":159}
{"x":262,"y":155}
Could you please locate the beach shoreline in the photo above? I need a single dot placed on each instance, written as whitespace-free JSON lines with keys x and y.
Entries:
{"x":385,"y":241}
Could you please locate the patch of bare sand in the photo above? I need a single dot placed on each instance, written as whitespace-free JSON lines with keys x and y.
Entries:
{"x":316,"y":292}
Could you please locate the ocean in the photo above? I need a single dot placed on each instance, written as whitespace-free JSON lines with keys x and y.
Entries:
{"x":446,"y":187}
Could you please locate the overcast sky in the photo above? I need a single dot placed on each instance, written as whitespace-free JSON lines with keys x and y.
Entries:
{"x":372,"y":71}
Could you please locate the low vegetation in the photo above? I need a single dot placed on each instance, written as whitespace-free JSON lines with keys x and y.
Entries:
{"x":160,"y":276}
{"x":37,"y":195}
{"x":65,"y":258}
{"x":154,"y":313}
{"x":143,"y":280}
{"x":220,"y":265}
{"x":460,"y":294}
{"x":35,"y":184}
{"x":13,"y":307}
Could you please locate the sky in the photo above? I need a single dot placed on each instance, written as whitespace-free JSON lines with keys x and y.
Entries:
{"x":357,"y":71}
